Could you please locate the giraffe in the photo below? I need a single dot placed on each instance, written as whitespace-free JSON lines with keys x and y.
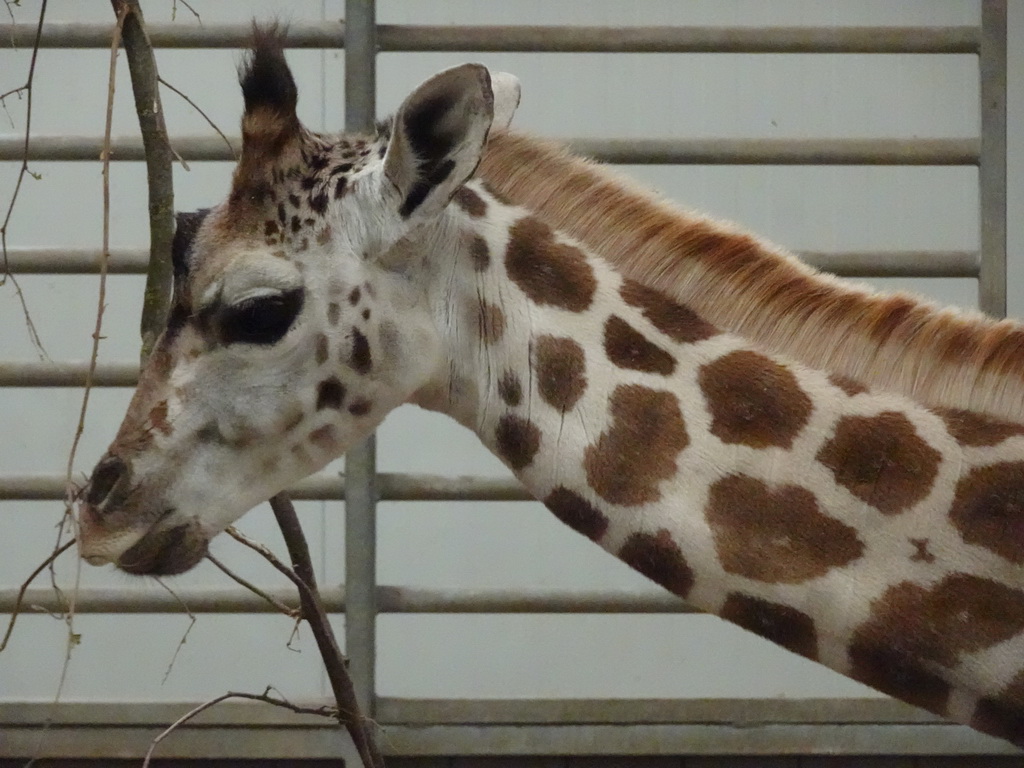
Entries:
{"x":896,"y":341}
{"x":344,"y":276}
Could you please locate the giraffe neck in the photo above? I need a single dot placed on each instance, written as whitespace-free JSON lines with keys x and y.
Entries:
{"x":855,"y":528}
{"x":939,"y":357}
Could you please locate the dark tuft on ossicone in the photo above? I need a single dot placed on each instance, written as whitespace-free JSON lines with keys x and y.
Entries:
{"x":264,"y":74}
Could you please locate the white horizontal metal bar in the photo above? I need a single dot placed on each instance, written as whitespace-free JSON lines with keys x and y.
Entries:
{"x":640,"y":151}
{"x":696,"y":739}
{"x":633,"y":742}
{"x":73,"y":261}
{"x":405,"y":711}
{"x":529,"y":39}
{"x":736,"y":712}
{"x":895,"y":263}
{"x":390,"y":599}
{"x":392,"y":486}
{"x":66,"y":374}
{"x":627,"y":39}
{"x":780,"y":151}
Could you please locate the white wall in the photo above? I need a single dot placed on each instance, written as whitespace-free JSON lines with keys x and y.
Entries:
{"x":468,"y":545}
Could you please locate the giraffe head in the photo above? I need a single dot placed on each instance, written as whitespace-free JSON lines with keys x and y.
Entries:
{"x":297,"y":322}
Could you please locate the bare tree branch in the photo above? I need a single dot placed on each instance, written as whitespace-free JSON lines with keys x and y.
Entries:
{"x":69,"y":604}
{"x":20,"y":89}
{"x":184,"y":637}
{"x":105,"y":254}
{"x":349,"y":712}
{"x":159,"y":173}
{"x":264,"y":697}
{"x":174,"y":11}
{"x":267,"y":555}
{"x":292,"y":613}
{"x":206,"y":117}
{"x":22,"y":172}
{"x":24,"y":587}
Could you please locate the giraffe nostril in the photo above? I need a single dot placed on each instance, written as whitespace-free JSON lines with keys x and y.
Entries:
{"x":104,"y":478}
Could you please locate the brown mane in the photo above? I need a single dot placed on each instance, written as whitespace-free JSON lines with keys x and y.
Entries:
{"x":893,"y":341}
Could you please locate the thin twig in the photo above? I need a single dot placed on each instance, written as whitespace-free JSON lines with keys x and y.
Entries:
{"x":206,"y":117}
{"x":13,"y":91}
{"x":286,"y":610}
{"x":22,"y":172}
{"x":101,"y":301}
{"x":294,"y":636}
{"x":174,"y":11}
{"x":24,"y":587}
{"x":269,"y":556}
{"x":159,"y":172}
{"x":349,"y":712}
{"x":184,"y":637}
{"x":180,"y":159}
{"x":265,"y":697}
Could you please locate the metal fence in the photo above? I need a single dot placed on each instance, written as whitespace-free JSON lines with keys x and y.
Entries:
{"x":524,"y":728}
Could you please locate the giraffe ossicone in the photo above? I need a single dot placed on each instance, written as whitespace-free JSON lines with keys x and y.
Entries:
{"x":344,"y":276}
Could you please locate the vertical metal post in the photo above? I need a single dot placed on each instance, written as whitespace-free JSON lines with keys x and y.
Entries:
{"x":360,"y":65}
{"x":992,"y":163}
{"x":361,"y":461}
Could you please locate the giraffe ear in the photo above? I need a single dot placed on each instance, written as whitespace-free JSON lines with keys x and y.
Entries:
{"x":437,"y":138}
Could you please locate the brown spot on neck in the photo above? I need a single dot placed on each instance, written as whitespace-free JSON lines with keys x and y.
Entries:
{"x":510,"y":390}
{"x":658,"y":557}
{"x":480,"y":253}
{"x":753,"y":400}
{"x":490,"y":322}
{"x":639,"y":449}
{"x":881,"y":460}
{"x":988,"y":509}
{"x":921,"y":553}
{"x":548,"y":272}
{"x":782,"y":624}
{"x":470,"y":202}
{"x":576,"y":512}
{"x":517,"y":440}
{"x":1002,"y":715}
{"x":627,"y":348}
{"x":560,"y":365}
{"x":977,"y":429}
{"x":913,"y":628}
{"x":776,"y":535}
{"x":850,"y":386}
{"x":678,"y":322}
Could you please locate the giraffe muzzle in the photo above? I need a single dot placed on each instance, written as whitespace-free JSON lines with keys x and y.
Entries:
{"x":166,"y":551}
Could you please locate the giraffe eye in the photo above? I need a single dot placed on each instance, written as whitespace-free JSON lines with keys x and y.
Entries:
{"x":260,"y":319}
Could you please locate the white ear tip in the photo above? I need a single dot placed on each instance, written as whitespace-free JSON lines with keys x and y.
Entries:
{"x":506,"y":90}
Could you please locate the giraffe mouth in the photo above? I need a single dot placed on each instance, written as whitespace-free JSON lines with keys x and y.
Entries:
{"x":166,"y":551}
